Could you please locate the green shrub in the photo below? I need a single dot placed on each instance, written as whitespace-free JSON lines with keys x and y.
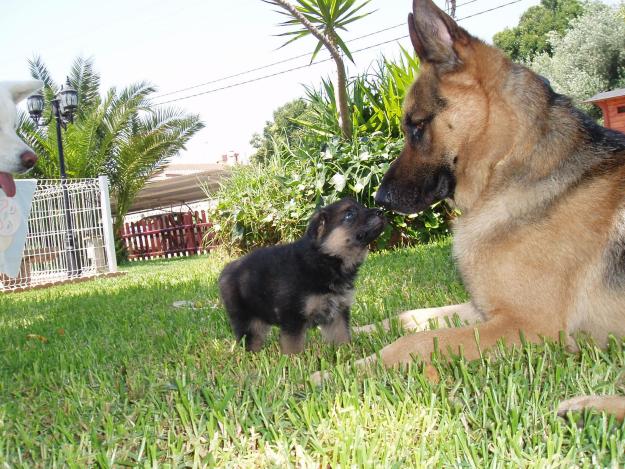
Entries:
{"x":271,"y":200}
{"x":375,"y":98}
{"x":263,"y":204}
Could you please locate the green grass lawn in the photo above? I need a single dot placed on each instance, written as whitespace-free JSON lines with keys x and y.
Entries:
{"x":108,"y":373}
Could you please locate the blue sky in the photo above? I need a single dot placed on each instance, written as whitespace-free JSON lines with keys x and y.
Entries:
{"x":178,"y":44}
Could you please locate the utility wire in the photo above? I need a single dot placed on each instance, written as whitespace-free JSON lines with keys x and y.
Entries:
{"x":263,"y":67}
{"x":282,"y":72}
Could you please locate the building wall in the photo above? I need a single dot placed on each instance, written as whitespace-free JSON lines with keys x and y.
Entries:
{"x":614,"y":113}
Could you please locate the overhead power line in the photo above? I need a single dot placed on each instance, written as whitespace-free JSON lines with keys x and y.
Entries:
{"x":282,"y":72}
{"x":280,"y":62}
{"x":264,"y":77}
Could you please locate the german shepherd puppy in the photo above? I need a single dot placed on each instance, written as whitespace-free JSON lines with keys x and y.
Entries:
{"x":302,"y":284}
{"x":540,"y":244}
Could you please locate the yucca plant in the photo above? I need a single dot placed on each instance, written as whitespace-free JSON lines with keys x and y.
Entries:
{"x":323,"y":19}
{"x":375,"y":99}
{"x":379,"y":95}
{"x":118,"y":134}
{"x":268,"y":203}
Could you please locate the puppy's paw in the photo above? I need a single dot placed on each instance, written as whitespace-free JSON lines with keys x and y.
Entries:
{"x":318,"y":377}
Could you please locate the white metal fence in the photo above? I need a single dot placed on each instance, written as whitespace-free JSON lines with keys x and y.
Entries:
{"x":70,"y":234}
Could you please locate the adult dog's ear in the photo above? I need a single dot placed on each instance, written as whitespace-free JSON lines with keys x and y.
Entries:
{"x":433,"y":34}
{"x":317,"y":225}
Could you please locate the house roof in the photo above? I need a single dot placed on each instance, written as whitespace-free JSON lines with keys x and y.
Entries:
{"x":177,"y":190}
{"x":191,"y":167}
{"x":607,"y":95}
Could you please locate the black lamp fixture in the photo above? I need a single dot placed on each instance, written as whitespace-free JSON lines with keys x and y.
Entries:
{"x":63,"y":106}
{"x":35,"y":104}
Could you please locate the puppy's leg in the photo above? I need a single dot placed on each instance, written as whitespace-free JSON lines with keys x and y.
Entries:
{"x":292,"y":341}
{"x":252,"y":331}
{"x":256,"y":334}
{"x":337,"y":332}
{"x":418,"y":319}
{"x":614,"y":405}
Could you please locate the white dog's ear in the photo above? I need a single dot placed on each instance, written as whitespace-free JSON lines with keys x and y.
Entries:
{"x":20,"y":90}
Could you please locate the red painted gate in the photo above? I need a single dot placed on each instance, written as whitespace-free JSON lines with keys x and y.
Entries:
{"x":168,"y":235}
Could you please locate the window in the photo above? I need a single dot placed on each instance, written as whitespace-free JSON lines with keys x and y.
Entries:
{"x":620,"y":110}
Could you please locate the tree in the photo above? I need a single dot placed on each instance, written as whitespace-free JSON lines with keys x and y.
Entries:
{"x":590,"y":58}
{"x":323,"y":19}
{"x":530,"y":37}
{"x":283,"y":128}
{"x":120,"y":134}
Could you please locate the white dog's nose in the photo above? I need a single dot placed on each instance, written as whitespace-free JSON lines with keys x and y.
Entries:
{"x":28,"y":159}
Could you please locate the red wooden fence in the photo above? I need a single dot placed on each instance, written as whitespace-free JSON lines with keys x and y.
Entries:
{"x":167,"y":235}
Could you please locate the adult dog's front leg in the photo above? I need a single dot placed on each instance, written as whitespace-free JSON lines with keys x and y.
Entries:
{"x":418,"y":319}
{"x":453,"y":340}
{"x":614,"y":405}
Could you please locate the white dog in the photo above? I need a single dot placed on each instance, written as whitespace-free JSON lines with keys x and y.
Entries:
{"x":15,"y":155}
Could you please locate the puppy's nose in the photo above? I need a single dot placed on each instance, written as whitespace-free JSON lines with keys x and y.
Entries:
{"x":28,"y":159}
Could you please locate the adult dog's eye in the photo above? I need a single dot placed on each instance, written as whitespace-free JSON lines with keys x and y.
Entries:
{"x":415,"y":131}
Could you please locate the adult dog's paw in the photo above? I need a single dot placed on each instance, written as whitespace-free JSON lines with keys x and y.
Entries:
{"x":368,"y":329}
{"x":614,"y":405}
{"x":318,"y":377}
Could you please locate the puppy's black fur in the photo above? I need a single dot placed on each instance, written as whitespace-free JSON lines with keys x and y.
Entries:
{"x":302,"y":284}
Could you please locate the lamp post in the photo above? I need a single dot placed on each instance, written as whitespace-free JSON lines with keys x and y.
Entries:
{"x":63,"y":106}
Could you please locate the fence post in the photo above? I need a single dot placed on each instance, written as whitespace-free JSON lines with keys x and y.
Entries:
{"x":107,"y":223}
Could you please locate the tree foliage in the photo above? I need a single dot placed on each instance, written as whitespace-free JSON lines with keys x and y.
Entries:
{"x":118,"y":134}
{"x":589,"y":58}
{"x":531,"y":36}
{"x":283,"y":127}
{"x":271,"y":201}
{"x":323,"y":19}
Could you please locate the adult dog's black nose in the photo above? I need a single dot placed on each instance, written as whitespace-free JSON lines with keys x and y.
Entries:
{"x":383,"y":197}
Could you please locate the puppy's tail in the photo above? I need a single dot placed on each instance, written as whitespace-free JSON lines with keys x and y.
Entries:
{"x":614,"y":405}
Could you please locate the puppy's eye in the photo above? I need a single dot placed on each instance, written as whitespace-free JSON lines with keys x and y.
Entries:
{"x":349,"y":215}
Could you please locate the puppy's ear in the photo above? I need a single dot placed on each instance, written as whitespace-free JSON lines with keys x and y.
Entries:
{"x":317,"y":225}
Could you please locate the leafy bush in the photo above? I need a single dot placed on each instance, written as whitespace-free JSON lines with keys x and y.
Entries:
{"x":283,"y":127}
{"x":531,"y":36}
{"x":271,"y":201}
{"x":375,"y":98}
{"x":589,"y":58}
{"x":264,"y":204}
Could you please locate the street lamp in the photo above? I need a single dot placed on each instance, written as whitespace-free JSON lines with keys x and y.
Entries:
{"x":63,"y":106}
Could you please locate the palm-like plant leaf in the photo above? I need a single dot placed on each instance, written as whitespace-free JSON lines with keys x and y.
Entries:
{"x":328,"y":16}
{"x":39,"y":71}
{"x":87,"y":82}
{"x":118,"y":134}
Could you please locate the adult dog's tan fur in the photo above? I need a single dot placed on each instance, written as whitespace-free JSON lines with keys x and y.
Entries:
{"x":540,"y":244}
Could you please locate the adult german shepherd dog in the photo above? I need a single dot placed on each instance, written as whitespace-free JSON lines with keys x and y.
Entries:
{"x":540,"y":244}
